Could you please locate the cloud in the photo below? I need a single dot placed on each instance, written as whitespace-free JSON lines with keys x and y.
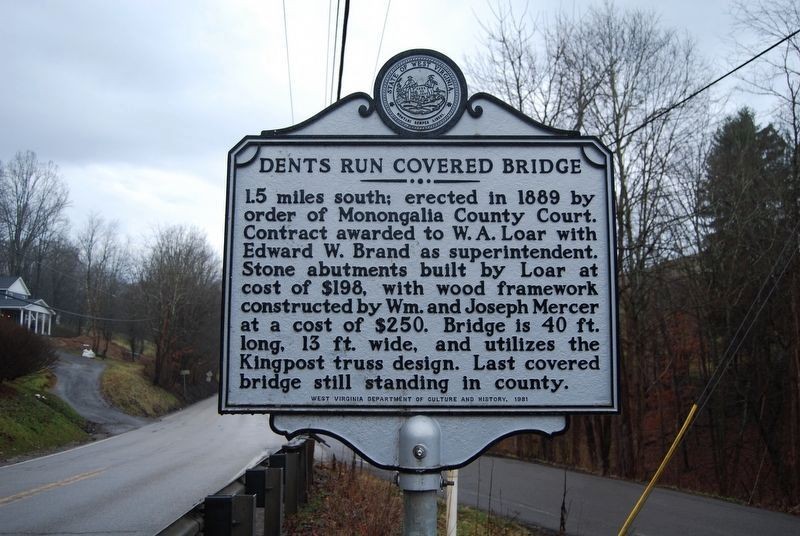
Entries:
{"x":132,"y":81}
{"x":144,"y":199}
{"x":153,"y":94}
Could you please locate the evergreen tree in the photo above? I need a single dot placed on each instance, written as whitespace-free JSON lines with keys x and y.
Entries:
{"x":748,"y":207}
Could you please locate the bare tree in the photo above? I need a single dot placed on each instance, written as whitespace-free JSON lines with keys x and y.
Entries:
{"x":59,"y":282}
{"x":776,"y":77}
{"x":32,"y":202}
{"x":180,"y":286}
{"x":544,"y":74}
{"x":777,"y":74}
{"x":103,"y":263}
{"x":613,"y":73}
{"x":507,"y":65}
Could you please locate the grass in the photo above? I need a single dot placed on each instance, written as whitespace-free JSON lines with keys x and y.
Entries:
{"x":348,"y":500}
{"x":33,"y":419}
{"x":125,"y":386}
{"x":473,"y":522}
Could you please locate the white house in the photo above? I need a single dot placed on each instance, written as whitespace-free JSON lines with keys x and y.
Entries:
{"x":17,"y":305}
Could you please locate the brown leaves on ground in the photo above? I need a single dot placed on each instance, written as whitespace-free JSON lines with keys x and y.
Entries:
{"x":348,"y":500}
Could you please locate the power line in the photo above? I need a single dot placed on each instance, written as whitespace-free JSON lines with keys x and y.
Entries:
{"x":380,"y":43}
{"x":731,"y":350}
{"x":704,"y":88}
{"x":335,"y":40}
{"x":722,"y":367}
{"x":288,"y":68}
{"x":344,"y":43}
{"x":72,"y":313}
{"x":327,"y":56}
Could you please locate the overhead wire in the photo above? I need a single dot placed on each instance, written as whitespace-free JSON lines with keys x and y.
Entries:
{"x":288,"y":63}
{"x":380,"y":42}
{"x":335,"y":40}
{"x":748,"y":321}
{"x":731,"y":350}
{"x":683,"y":101}
{"x":72,"y":313}
{"x":344,"y":44}
{"x":327,"y":56}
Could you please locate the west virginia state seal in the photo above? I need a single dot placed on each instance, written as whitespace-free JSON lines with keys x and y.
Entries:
{"x":420,"y":92}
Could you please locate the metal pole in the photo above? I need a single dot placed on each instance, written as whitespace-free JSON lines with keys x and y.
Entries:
{"x":419,"y":457}
{"x":419,"y":514}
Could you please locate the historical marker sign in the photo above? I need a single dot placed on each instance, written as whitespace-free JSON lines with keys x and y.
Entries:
{"x":416,"y":272}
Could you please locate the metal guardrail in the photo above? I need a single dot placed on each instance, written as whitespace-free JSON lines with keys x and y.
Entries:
{"x":277,"y":486}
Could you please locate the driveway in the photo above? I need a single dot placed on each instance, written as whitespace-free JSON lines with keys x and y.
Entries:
{"x":79,"y":386}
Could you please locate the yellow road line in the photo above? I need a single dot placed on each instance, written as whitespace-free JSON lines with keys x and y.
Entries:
{"x":53,"y":485}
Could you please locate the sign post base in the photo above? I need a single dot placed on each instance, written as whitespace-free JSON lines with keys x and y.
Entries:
{"x":419,"y":452}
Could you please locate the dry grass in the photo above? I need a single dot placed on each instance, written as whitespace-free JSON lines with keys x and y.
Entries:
{"x":346,"y":500}
{"x":125,"y":386}
{"x":350,"y":501}
{"x":123,"y":383}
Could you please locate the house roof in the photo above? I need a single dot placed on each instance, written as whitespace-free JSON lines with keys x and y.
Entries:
{"x":14,"y":284}
{"x":6,"y":281}
{"x":13,"y":299}
{"x":13,"y":303}
{"x":31,"y":305}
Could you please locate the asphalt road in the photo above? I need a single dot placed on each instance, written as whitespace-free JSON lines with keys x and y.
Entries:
{"x":599,"y":506}
{"x":135,"y":483}
{"x":79,"y":385}
{"x":139,"y":482}
{"x":531,"y":493}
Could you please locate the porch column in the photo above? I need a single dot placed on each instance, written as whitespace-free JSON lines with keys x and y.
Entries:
{"x":49,"y":323}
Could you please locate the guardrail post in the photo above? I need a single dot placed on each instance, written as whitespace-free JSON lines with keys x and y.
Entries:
{"x":290,"y":478}
{"x":302,"y":473}
{"x":277,"y":460}
{"x":255,"y":484}
{"x":310,"y":443}
{"x":229,"y":515}
{"x":273,"y":501}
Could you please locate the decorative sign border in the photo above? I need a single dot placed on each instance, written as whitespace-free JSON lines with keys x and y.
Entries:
{"x":593,"y":153}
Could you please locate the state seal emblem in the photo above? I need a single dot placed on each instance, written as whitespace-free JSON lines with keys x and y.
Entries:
{"x":420,"y":92}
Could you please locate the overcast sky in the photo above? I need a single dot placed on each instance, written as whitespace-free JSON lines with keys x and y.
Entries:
{"x":139,"y":101}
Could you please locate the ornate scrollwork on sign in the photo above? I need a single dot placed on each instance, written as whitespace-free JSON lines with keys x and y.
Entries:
{"x":366,"y":110}
{"x":474,"y":110}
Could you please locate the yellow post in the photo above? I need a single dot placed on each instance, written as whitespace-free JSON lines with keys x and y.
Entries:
{"x":640,"y":503}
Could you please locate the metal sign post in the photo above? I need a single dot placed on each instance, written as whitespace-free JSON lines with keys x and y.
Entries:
{"x":420,"y":453}
{"x":184,"y":373}
{"x":419,"y":274}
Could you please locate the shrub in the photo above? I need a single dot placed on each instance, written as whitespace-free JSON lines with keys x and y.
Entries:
{"x":22,"y":352}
